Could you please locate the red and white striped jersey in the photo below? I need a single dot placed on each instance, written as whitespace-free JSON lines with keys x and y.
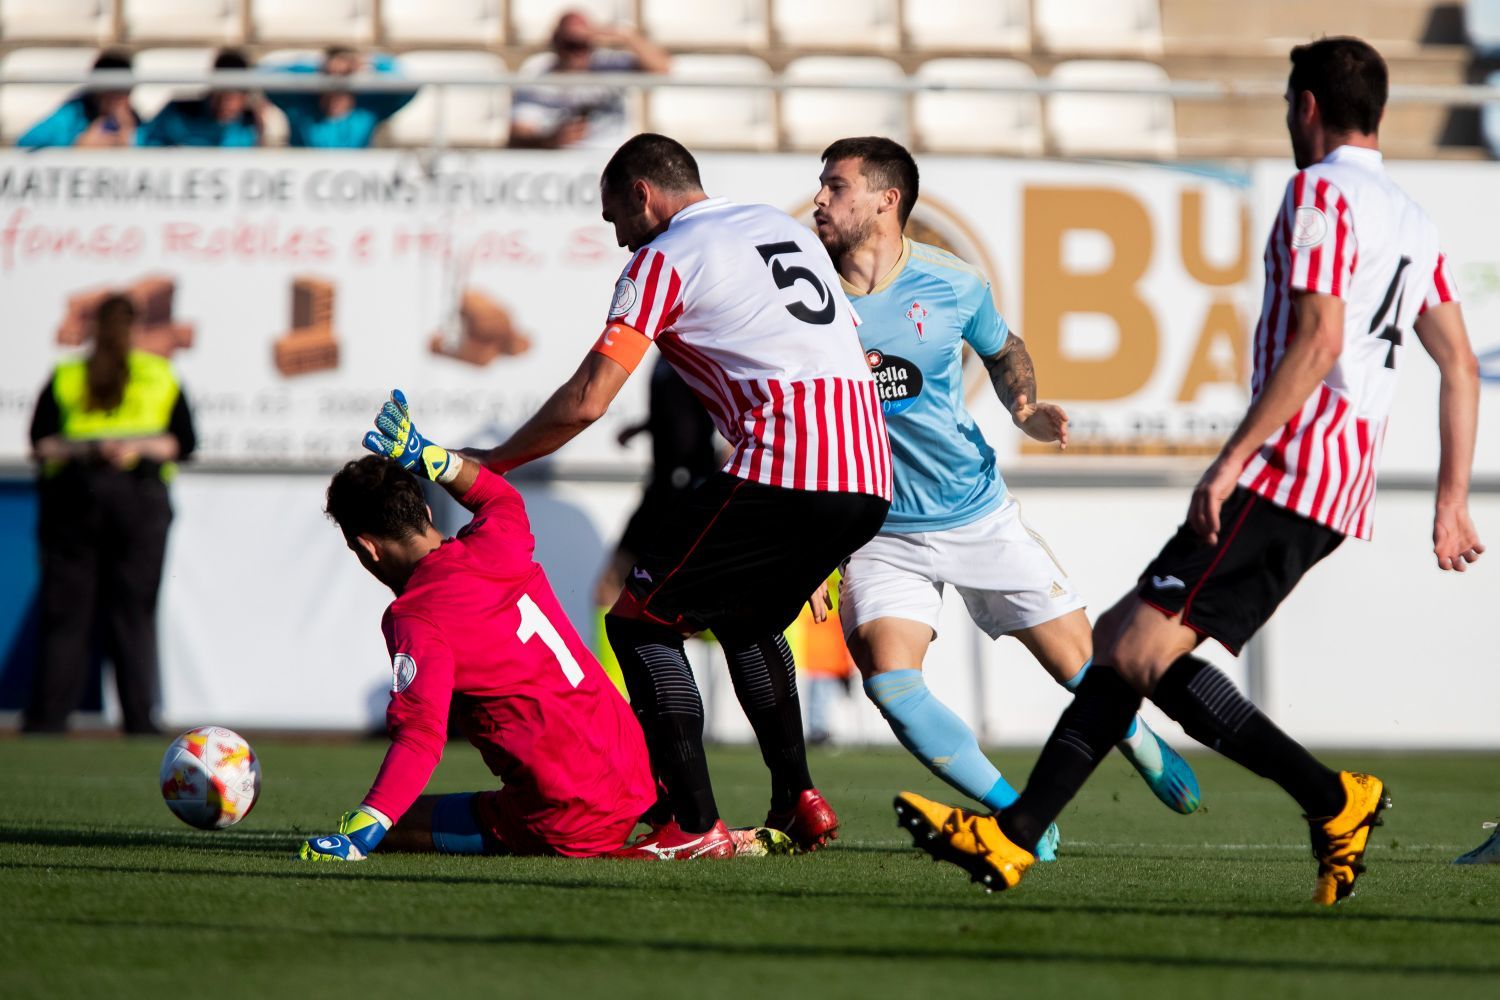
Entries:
{"x":745,"y":304}
{"x":1344,"y":229}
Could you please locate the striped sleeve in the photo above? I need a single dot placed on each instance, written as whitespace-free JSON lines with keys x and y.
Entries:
{"x":648,"y":296}
{"x":1442,"y":288}
{"x":1323,"y":250}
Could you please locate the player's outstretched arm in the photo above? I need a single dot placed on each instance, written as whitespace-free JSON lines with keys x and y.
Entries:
{"x":1441,"y":330}
{"x":395,"y":436}
{"x":1309,"y":359}
{"x":1013,"y":375}
{"x":576,"y":404}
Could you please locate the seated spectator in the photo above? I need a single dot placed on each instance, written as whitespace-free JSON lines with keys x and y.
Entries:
{"x":337,"y":119}
{"x":554,"y":117}
{"x":222,"y":118}
{"x":91,"y":117}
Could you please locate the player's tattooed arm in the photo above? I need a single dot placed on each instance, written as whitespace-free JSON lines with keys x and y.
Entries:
{"x":1014,"y":377}
{"x":1012,"y":373}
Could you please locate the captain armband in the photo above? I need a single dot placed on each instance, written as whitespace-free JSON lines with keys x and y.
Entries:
{"x":623,"y":344}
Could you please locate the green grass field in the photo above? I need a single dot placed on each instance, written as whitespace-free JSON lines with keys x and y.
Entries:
{"x":103,"y":892}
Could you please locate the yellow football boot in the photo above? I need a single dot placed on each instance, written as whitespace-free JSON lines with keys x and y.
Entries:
{"x":1339,"y":842}
{"x":972,"y":841}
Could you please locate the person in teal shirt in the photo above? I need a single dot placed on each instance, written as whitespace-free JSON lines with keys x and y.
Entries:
{"x":337,"y":119}
{"x":952,"y":521}
{"x":222,"y":118}
{"x":90,"y":117}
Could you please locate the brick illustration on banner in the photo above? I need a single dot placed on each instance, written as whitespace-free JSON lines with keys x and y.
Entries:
{"x":485,"y":333}
{"x":154,"y":331}
{"x":309,"y":346}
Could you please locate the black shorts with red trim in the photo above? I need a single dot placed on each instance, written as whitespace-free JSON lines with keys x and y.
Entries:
{"x":741,"y":558}
{"x":1228,"y":590}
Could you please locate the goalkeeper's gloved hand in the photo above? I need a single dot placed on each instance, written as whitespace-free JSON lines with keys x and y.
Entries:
{"x":396,"y":437}
{"x":360,"y":830}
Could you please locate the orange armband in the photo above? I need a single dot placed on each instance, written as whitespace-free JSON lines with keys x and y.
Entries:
{"x":623,"y":344}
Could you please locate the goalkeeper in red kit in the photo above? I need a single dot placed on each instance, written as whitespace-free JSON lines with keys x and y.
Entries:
{"x":475,"y":625}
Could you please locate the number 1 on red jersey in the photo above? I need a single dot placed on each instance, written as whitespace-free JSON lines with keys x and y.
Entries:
{"x":534,"y":622}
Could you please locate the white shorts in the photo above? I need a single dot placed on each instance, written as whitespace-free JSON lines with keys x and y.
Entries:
{"x":1007,"y":575}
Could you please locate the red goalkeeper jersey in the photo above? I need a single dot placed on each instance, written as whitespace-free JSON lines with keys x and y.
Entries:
{"x":478,"y":628}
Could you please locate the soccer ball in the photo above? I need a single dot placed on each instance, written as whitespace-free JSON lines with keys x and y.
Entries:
{"x":210,"y":777}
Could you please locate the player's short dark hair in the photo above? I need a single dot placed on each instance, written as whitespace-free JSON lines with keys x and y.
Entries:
{"x":375,"y":496}
{"x":231,"y":59}
{"x":662,"y":162}
{"x":1348,"y":78}
{"x":885,"y":163}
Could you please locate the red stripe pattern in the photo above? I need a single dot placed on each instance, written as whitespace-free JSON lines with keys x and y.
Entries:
{"x":825,"y":434}
{"x":1443,"y":288}
{"x":1322,"y":463}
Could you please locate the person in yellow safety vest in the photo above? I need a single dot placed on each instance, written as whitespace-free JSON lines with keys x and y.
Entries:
{"x":823,"y":658}
{"x":107,"y":433}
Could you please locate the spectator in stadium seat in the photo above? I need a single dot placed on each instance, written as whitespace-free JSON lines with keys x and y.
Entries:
{"x":553,"y":117}
{"x":221,"y":118}
{"x":90,"y":117}
{"x":338,"y":119}
{"x":107,"y":433}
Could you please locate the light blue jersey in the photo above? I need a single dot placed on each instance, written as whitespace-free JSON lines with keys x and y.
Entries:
{"x":913,"y":327}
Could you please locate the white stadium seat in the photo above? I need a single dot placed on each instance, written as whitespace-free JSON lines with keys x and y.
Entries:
{"x":23,"y":105}
{"x":972,"y":25}
{"x":811,"y":119}
{"x":1111,"y":124}
{"x":532,"y":21}
{"x":85,"y":20}
{"x":837,"y":24}
{"x":1482,"y":26}
{"x":973,"y":122}
{"x":716,"y":117}
{"x":1125,"y":26}
{"x":347,"y":22}
{"x":471,"y":116}
{"x":199,"y":20}
{"x":149,"y":98}
{"x":480,"y":22}
{"x":738,"y":23}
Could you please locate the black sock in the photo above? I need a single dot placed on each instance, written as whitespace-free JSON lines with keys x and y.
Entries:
{"x":765,"y":680}
{"x":1088,"y":729}
{"x":665,"y":699}
{"x":1212,"y":711}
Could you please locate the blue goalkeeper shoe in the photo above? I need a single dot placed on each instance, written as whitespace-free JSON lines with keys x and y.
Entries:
{"x":1167,"y":775}
{"x":1046,"y":848}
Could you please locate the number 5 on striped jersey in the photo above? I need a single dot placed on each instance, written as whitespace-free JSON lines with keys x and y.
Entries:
{"x":534,"y":623}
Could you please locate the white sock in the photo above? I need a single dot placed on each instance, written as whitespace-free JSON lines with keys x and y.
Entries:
{"x":1139,"y":747}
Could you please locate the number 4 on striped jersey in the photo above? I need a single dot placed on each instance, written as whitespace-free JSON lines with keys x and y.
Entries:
{"x":534,"y":623}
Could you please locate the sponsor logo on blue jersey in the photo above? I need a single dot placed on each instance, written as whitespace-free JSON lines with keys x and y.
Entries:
{"x":899,"y":381}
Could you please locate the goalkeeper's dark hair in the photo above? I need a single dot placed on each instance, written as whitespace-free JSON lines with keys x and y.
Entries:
{"x":662,"y":162}
{"x":1348,"y":78}
{"x":885,"y":163}
{"x":375,"y":496}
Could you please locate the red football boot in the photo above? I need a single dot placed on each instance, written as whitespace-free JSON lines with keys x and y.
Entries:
{"x":811,"y":822}
{"x":670,"y":843}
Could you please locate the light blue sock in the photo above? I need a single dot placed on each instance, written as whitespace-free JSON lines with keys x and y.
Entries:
{"x":938,"y":737}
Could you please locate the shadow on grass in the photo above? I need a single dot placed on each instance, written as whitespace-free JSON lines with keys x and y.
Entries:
{"x":836,"y":950}
{"x":500,"y":875}
{"x":250,"y":841}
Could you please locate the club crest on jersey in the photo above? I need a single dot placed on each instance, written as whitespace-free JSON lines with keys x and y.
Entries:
{"x":1309,"y":227}
{"x":625,"y":295}
{"x":898,"y":380}
{"x":917,"y":314}
{"x":403,"y":672}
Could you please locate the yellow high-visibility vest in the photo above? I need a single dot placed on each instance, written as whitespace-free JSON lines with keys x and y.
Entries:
{"x":151,"y":392}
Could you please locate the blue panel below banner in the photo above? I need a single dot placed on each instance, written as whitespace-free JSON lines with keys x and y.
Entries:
{"x":18,"y":591}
